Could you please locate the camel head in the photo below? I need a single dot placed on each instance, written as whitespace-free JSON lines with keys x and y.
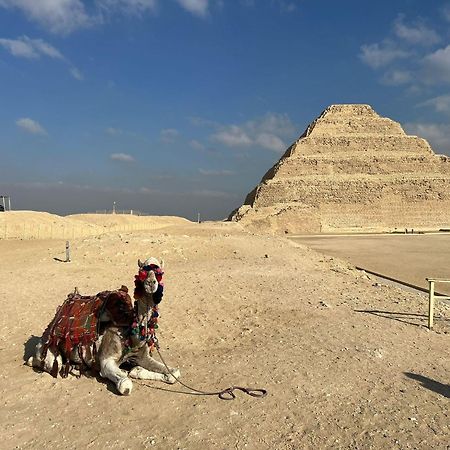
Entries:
{"x":148,"y":282}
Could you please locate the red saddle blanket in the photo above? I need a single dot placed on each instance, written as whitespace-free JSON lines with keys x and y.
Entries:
{"x":76,"y":322}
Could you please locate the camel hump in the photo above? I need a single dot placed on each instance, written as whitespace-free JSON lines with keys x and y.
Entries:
{"x":119,"y":306}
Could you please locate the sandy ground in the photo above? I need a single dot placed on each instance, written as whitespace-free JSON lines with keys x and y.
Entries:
{"x":407,"y":257}
{"x":347,"y":361}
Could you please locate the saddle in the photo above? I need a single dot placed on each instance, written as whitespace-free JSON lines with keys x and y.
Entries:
{"x":76,"y":323}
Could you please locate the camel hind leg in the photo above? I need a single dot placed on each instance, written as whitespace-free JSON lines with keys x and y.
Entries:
{"x":46,"y":364}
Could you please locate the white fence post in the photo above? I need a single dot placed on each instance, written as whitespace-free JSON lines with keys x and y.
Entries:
{"x":432,"y":296}
{"x":430,"y":304}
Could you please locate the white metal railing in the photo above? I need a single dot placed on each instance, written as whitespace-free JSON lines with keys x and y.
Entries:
{"x":433,"y":296}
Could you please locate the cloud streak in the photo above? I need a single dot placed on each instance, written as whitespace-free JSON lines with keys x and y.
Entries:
{"x":64,"y":17}
{"x":127,"y":7}
{"x":267,"y":132}
{"x":33,"y":49}
{"x":417,"y":34}
{"x":436,"y":134}
{"x":196,"y":7}
{"x":56,"y":16}
{"x":122,"y":157}
{"x":169,"y":135}
{"x":436,"y":66}
{"x":380,"y":55}
{"x":31,"y":126}
{"x":24,"y":47}
{"x":440,"y":103}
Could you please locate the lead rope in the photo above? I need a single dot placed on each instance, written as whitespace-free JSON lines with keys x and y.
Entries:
{"x":225,"y":394}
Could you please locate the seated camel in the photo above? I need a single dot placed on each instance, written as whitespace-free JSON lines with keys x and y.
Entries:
{"x":103,"y":332}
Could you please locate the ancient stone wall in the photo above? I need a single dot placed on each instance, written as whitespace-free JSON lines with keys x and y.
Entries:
{"x":352,"y":170}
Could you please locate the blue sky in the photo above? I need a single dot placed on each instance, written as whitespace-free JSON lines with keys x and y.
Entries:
{"x":180,"y":106}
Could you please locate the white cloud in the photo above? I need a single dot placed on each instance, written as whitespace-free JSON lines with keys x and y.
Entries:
{"x":201,"y":122}
{"x":284,"y":5}
{"x":287,"y":6}
{"x":128,"y":7}
{"x":196,"y":7}
{"x":24,"y":47}
{"x":397,"y":77}
{"x":57,"y":16}
{"x":169,"y":135}
{"x":66,"y":16}
{"x":207,"y":172}
{"x":76,"y":73}
{"x":271,"y":142}
{"x":379,"y":55}
{"x":113,"y":131}
{"x":436,"y":134}
{"x":446,"y":12}
{"x":19,"y":48}
{"x":123,"y":157}
{"x":440,"y":103}
{"x":233,"y":136}
{"x":415,"y":34}
{"x":266,"y":132}
{"x":196,"y":145}
{"x":437,"y":66}
{"x":30,"y":126}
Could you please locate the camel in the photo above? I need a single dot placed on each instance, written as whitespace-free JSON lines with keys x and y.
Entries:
{"x":122,"y":333}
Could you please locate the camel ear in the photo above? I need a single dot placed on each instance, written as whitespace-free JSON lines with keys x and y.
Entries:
{"x":161,"y":264}
{"x":140,"y":264}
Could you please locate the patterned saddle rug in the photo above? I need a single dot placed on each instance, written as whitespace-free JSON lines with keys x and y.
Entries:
{"x":76,"y":323}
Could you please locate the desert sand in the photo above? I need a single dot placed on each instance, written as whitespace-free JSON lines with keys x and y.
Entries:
{"x":347,"y":361}
{"x":410,"y":258}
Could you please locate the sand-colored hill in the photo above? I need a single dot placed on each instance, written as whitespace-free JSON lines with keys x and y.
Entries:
{"x":113,"y":221}
{"x":43,"y":225}
{"x":352,"y":170}
{"x":347,"y":361}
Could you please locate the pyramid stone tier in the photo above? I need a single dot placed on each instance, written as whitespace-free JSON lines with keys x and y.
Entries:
{"x":352,"y":170}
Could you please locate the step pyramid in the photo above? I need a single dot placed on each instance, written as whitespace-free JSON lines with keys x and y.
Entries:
{"x":352,"y":171}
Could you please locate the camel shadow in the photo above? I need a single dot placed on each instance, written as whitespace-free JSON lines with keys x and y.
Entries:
{"x":432,"y":385}
{"x":29,"y":347}
{"x":398,"y":316}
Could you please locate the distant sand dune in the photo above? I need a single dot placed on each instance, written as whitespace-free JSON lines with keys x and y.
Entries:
{"x":43,"y":225}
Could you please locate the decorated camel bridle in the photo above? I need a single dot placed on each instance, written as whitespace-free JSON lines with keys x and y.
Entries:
{"x":144,"y":329}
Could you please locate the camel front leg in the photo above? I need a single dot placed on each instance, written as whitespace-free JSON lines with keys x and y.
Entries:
{"x":109,"y":354}
{"x":149,"y":369}
{"x":110,"y":370}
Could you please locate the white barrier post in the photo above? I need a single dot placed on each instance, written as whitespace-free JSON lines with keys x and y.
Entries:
{"x":67,"y":251}
{"x":430,"y":304}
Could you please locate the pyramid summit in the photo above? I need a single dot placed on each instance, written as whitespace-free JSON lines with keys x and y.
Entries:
{"x":352,"y":170}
